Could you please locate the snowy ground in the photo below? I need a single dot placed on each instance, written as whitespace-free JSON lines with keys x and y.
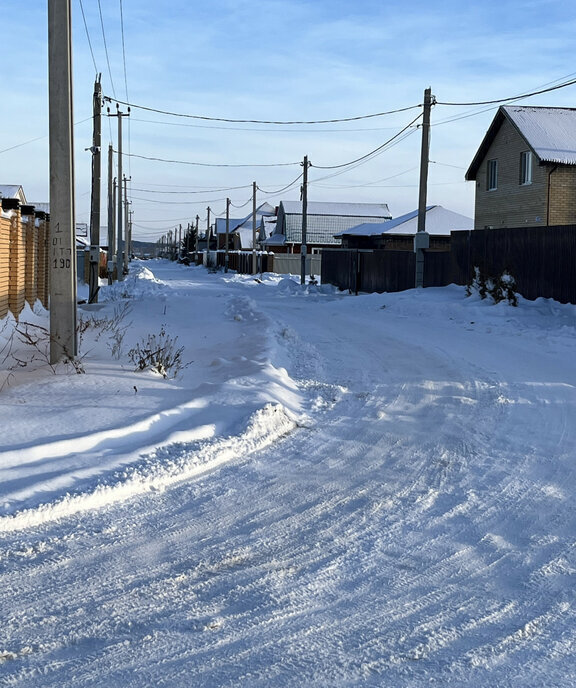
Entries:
{"x":335,"y":491}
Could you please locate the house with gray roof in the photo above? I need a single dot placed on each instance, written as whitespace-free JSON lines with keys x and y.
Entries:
{"x":525,"y":168}
{"x":325,"y":220}
{"x":398,"y":234}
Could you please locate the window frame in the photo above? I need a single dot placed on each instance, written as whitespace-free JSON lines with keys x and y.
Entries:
{"x":492,"y":174}
{"x":526,"y":168}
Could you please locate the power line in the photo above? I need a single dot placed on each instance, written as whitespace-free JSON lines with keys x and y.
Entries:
{"x":262,"y":121}
{"x":209,"y":164}
{"x":253,"y":129}
{"x":123,"y":48}
{"x":288,"y":186}
{"x":106,"y":47}
{"x":571,"y":82}
{"x":363,"y":160}
{"x":203,"y":191}
{"x":88,"y":37}
{"x":373,"y":152}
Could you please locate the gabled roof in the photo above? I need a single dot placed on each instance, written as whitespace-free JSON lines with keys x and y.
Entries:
{"x":232,"y":224}
{"x":338,"y":209}
{"x":12,"y":191}
{"x":550,"y":132}
{"x":439,"y":222}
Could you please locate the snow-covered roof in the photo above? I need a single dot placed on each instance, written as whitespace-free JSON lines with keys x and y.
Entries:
{"x":232,"y":224}
{"x":275,"y":240}
{"x":439,"y":222}
{"x":339,"y":209}
{"x":12,"y":191}
{"x":549,"y":131}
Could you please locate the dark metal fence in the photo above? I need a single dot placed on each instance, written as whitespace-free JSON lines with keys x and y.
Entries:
{"x":241,"y":261}
{"x":542,"y":261}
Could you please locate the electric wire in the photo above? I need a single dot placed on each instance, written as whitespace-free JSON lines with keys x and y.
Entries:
{"x":88,"y":36}
{"x":210,"y":164}
{"x":125,"y":81}
{"x":571,"y":82}
{"x":202,"y":191}
{"x":263,"y":121}
{"x":254,"y":129}
{"x":106,"y":47}
{"x":373,"y":152}
{"x":285,"y":188}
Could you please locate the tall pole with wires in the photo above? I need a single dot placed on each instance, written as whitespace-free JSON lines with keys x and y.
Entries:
{"x":254,"y":265}
{"x":208,"y":237}
{"x":127,"y":247}
{"x":111,"y":228}
{"x":422,"y":238}
{"x":120,"y":208}
{"x":63,"y":343}
{"x":303,"y":246}
{"x":95,"y":199}
{"x":197,"y":235}
{"x":226,"y":256}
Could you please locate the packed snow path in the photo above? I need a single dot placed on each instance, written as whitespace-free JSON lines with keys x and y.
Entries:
{"x":353,"y":491}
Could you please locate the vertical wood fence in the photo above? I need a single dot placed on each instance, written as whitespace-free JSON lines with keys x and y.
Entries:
{"x":542,"y":260}
{"x":24,"y":270}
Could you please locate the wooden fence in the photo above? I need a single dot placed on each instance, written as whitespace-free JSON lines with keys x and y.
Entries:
{"x":542,"y":261}
{"x":23,"y":257}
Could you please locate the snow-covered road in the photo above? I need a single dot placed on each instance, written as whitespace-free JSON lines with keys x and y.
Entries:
{"x":339,"y":491}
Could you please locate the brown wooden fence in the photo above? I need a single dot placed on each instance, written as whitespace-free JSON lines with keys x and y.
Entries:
{"x":23,"y":257}
{"x":542,"y":261}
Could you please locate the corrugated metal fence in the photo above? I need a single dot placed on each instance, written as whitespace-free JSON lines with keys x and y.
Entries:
{"x":23,"y":257}
{"x":542,"y":260}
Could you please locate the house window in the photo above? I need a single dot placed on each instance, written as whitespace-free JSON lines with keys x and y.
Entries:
{"x":526,"y":167}
{"x":492,"y":176}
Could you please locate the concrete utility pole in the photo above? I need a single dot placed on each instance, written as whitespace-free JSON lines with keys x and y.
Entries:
{"x":303,"y":247}
{"x":208,"y":237}
{"x":111,"y":228}
{"x":197,"y":221}
{"x":422,"y":238}
{"x":127,"y":247}
{"x":254,"y":266}
{"x":226,"y":256}
{"x":120,"y":208}
{"x":63,"y":343}
{"x":95,"y":200}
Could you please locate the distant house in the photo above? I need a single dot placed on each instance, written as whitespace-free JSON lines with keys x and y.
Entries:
{"x":13,"y":191}
{"x":324,"y":221}
{"x":398,"y":234}
{"x":240,"y":234}
{"x":525,"y":168}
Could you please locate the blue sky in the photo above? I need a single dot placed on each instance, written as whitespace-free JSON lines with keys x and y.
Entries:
{"x":278,"y":60}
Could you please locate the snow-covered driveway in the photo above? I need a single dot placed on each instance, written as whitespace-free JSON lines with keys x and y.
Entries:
{"x":339,"y":491}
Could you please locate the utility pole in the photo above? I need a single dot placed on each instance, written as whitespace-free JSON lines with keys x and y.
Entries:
{"x":127,"y":247}
{"x":120,"y":208}
{"x":226,"y":256}
{"x":254,"y":266}
{"x":196,"y":249}
{"x":63,"y":344}
{"x":208,"y":237}
{"x":422,"y":238}
{"x":303,"y":247}
{"x":94,"y":270}
{"x":111,"y":228}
